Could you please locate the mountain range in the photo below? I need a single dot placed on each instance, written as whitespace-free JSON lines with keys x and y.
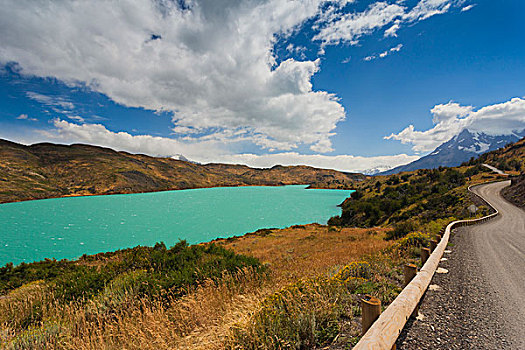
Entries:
{"x":457,"y":150}
{"x":48,"y":170}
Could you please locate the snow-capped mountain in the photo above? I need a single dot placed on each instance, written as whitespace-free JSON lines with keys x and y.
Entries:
{"x":180,"y":157}
{"x":184,"y":159}
{"x":459,"y":149}
{"x":376,"y":170}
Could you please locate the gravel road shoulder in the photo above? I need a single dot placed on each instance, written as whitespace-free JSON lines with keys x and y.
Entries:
{"x":463,"y":311}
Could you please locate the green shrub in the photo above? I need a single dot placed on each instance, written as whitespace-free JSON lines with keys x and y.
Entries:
{"x":107,"y":279}
{"x":413,"y":239}
{"x":308,"y":314}
{"x":401,"y":229}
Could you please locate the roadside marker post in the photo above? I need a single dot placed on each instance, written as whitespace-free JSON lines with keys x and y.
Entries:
{"x":371,"y":309}
{"x":410,"y":273}
{"x":433,"y":245}
{"x":425,"y":254}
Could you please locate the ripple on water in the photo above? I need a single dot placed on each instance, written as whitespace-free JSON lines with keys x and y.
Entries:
{"x":100,"y":223}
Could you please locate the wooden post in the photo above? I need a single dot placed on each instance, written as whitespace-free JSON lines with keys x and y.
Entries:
{"x":371,"y":309}
{"x":433,"y":245}
{"x":410,"y":272}
{"x":425,"y":254}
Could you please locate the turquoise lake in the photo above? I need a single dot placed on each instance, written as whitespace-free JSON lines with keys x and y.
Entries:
{"x":69,"y":227}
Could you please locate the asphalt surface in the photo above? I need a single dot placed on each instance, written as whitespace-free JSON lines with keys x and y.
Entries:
{"x":496,"y":170}
{"x":479,"y":302}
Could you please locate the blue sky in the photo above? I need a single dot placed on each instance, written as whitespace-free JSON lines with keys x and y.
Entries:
{"x":349,"y":85}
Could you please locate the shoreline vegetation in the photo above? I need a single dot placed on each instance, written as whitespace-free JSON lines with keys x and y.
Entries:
{"x":293,"y":288}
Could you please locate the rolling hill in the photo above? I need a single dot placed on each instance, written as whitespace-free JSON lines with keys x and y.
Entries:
{"x":48,"y":170}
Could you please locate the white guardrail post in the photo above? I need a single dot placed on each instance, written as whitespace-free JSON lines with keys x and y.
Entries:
{"x":382,"y":335}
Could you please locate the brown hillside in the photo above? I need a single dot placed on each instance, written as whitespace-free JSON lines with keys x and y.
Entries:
{"x":48,"y":170}
{"x":512,"y":160}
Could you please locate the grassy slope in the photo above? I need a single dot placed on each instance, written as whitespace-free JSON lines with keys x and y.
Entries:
{"x":129,"y":311}
{"x":510,"y":158}
{"x":414,"y":200}
{"x":419,"y":197}
{"x":49,"y":170}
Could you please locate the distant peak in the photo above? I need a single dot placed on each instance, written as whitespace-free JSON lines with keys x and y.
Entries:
{"x":464,"y":133}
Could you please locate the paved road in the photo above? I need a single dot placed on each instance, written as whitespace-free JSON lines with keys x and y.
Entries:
{"x":480,"y":302}
{"x":496,"y":170}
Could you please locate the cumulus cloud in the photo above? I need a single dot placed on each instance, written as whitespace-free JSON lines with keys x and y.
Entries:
{"x":449,"y":119}
{"x":444,"y":112}
{"x":97,"y":134}
{"x":210,"y":63}
{"x":210,"y":150}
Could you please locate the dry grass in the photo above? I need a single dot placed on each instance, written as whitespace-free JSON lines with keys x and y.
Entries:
{"x":309,"y":250}
{"x":209,"y":317}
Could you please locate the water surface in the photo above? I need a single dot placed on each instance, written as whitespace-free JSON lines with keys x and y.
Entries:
{"x":69,"y":227}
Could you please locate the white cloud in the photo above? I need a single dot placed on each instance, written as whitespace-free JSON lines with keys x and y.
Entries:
{"x":396,"y":48}
{"x":210,"y":64}
{"x":57,"y":101}
{"x":339,"y":27}
{"x":349,"y":27}
{"x":467,"y":8}
{"x":26,"y":117}
{"x":449,"y":119}
{"x":384,"y":53}
{"x":341,"y":162}
{"x":210,"y":150}
{"x":76,"y":118}
{"x":392,"y":31}
{"x":297,"y":50}
{"x":97,"y":134}
{"x":428,"y":8}
{"x":444,"y":112}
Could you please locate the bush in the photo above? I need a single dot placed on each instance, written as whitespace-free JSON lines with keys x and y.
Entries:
{"x":307,"y":314}
{"x":401,"y":229}
{"x":107,"y":279}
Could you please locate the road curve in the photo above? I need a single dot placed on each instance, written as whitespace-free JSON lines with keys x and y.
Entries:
{"x":500,"y":244}
{"x":480,"y":302}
